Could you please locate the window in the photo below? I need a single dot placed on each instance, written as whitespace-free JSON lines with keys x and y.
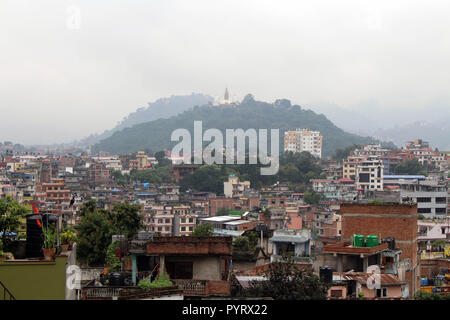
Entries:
{"x":424,"y":210}
{"x":183,"y":220}
{"x":167,"y":228}
{"x":183,"y":228}
{"x":167,"y":221}
{"x":381,"y":293}
{"x":441,"y":199}
{"x":191,"y":228}
{"x":423,"y":199}
{"x":159,"y":228}
{"x":441,"y":210}
{"x":191,"y":220}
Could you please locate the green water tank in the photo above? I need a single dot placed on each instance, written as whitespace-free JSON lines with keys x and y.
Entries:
{"x":358,"y":240}
{"x":372,"y":241}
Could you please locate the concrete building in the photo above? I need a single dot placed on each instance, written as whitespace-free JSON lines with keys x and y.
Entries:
{"x":303,"y":140}
{"x":234,"y":188}
{"x":396,"y":221}
{"x":293,"y":242}
{"x":200,"y":265}
{"x":369,"y":174}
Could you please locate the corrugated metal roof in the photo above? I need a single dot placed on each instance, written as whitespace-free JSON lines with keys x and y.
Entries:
{"x":362,"y":277}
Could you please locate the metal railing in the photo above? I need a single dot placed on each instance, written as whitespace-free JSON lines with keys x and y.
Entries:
{"x":100,"y":292}
{"x":6,"y":292}
{"x":194,"y":287}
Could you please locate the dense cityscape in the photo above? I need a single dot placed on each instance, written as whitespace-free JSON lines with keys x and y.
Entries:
{"x":147,"y":225}
{"x":224,"y":159}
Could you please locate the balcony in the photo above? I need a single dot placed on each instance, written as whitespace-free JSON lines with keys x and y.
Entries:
{"x":191,"y":287}
{"x":126,"y":293}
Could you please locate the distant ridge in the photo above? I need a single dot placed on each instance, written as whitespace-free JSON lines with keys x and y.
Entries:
{"x":160,"y":109}
{"x":155,"y":135}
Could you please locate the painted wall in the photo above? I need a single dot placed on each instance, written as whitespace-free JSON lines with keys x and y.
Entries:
{"x":35,"y":280}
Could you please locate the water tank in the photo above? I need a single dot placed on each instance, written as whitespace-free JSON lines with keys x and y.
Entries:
{"x":116,"y":279}
{"x":372,"y":241}
{"x":35,"y":240}
{"x":326,"y":274}
{"x":358,"y":240}
{"x":424,"y":282}
{"x":390,"y":241}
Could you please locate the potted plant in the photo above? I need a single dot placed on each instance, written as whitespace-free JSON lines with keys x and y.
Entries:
{"x":67,"y":238}
{"x":49,"y":248}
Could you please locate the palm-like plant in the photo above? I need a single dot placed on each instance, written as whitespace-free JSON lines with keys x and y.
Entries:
{"x":49,"y":238}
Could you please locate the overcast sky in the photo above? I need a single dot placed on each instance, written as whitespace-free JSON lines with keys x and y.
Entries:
{"x":62,"y":78}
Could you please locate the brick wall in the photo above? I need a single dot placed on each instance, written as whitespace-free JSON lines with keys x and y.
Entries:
{"x":397,"y":221}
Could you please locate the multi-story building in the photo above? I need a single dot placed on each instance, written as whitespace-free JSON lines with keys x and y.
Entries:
{"x":234,"y":188}
{"x":142,"y":162}
{"x":369,"y":174}
{"x":431,"y":198}
{"x":99,"y":174}
{"x":303,"y":140}
{"x":385,"y":221}
{"x":349,"y":166}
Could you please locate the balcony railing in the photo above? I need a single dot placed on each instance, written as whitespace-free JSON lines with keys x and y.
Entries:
{"x":7,"y":295}
{"x":101,"y":292}
{"x":191,"y":287}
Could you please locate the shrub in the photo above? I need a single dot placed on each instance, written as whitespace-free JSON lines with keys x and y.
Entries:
{"x":161,"y":281}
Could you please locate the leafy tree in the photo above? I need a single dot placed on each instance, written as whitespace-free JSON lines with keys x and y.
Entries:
{"x":125,"y":219}
{"x":341,"y":154}
{"x":160,"y":155}
{"x":412,"y":167}
{"x":11,"y":213}
{"x":203,"y":230}
{"x":206,"y":178}
{"x":94,"y":236}
{"x":222,"y":212}
{"x":312,"y":197}
{"x":285,"y":281}
{"x":88,"y":207}
{"x":111,"y":256}
{"x":241,"y":243}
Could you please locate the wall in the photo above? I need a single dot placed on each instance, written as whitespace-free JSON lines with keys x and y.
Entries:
{"x":397,"y":221}
{"x":207,"y":268}
{"x":35,"y":280}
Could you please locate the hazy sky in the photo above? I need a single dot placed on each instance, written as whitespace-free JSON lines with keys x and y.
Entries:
{"x":62,"y":78}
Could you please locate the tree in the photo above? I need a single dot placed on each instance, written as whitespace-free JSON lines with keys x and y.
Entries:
{"x":222,"y":212}
{"x":88,"y":207}
{"x":285,"y":281}
{"x":203,"y":230}
{"x":241,"y":243}
{"x":312,"y":197}
{"x":160,"y":155}
{"x":125,"y":219}
{"x":94,"y":237}
{"x":412,"y":167}
{"x":11,"y":213}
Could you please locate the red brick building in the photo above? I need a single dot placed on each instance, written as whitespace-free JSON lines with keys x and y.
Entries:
{"x":397,"y":221}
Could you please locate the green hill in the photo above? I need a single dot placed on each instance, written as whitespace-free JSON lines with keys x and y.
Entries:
{"x":155,"y":135}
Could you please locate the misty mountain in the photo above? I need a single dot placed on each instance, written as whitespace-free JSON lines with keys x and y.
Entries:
{"x":155,"y":135}
{"x":399,"y":126}
{"x":160,"y":109}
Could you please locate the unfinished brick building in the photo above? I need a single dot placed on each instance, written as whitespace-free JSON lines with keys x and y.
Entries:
{"x":387,"y":220}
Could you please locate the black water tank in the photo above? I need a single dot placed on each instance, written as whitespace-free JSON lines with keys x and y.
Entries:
{"x":326,"y":274}
{"x":116,"y":279}
{"x":390,"y":241}
{"x":35,"y":241}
